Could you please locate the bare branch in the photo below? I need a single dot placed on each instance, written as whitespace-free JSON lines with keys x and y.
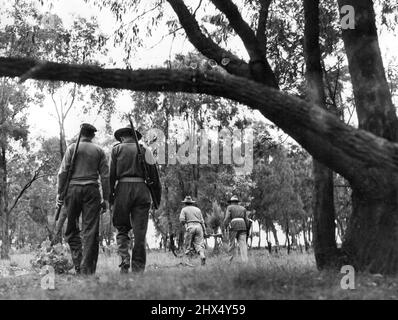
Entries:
{"x":24,"y":189}
{"x":197,"y":8}
{"x":262,"y":24}
{"x":73,"y":100}
{"x":260,"y":69}
{"x":144,"y":13}
{"x":173,"y":33}
{"x":205,"y":45}
{"x":55,"y":105}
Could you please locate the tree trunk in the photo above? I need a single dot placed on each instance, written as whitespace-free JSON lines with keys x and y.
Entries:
{"x":310,"y":231}
{"x":341,"y":229}
{"x":216,"y":248}
{"x":324,"y":239}
{"x":306,"y":245}
{"x":325,"y":247}
{"x":287,"y":238}
{"x":376,"y":112}
{"x":259,"y":234}
{"x":4,"y":213}
{"x":371,"y":237}
{"x":195,"y":182}
{"x":269,"y":244}
{"x":274,"y":233}
{"x":62,"y":142}
{"x":181,"y":240}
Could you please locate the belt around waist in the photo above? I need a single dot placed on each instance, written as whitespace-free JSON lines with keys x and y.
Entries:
{"x":238,"y":219}
{"x":193,"y":222}
{"x":131,"y":179}
{"x":83,"y":182}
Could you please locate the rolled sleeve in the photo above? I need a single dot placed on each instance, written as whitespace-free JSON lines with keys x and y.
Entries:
{"x":182,"y":216}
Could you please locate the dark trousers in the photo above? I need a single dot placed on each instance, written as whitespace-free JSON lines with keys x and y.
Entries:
{"x":86,"y":200}
{"x":131,"y":211}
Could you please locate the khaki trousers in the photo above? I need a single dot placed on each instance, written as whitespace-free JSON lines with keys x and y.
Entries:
{"x":239,"y":237}
{"x":194,"y":238}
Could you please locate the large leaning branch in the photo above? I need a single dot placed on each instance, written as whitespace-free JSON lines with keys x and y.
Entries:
{"x":342,"y":148}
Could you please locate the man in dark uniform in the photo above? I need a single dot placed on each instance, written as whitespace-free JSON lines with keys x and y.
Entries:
{"x":130,"y":197}
{"x":84,"y":197}
{"x":236,"y":218}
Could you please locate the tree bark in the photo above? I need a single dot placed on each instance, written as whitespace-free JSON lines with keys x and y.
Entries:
{"x":62,"y":141}
{"x":275,"y":234}
{"x":371,"y":237}
{"x":306,"y":244}
{"x":259,"y":234}
{"x":287,"y":237}
{"x":324,"y":228}
{"x":373,"y":102}
{"x":4,"y":212}
{"x":325,"y":247}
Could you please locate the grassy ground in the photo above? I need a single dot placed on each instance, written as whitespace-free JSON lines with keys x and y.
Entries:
{"x":167,"y":277}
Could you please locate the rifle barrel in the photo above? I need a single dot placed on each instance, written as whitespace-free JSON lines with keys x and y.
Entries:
{"x":148,"y":181}
{"x":69,"y":176}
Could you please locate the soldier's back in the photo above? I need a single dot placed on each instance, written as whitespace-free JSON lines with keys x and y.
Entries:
{"x":237,"y":217}
{"x":192,"y":214}
{"x":127,"y":163}
{"x":88,"y":160}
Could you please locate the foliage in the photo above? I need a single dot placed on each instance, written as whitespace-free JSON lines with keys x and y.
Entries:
{"x":215,"y":219}
{"x":54,"y":256}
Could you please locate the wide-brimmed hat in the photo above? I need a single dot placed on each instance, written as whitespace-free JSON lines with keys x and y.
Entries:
{"x":125,"y":129}
{"x":188,"y":199}
{"x":233,"y":199}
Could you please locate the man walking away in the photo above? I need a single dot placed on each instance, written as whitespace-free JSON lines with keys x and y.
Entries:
{"x":131,"y":197}
{"x":236,"y":218}
{"x":84,"y":197}
{"x":191,"y":217}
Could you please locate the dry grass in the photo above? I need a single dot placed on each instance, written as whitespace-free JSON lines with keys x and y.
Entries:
{"x":167,"y":277}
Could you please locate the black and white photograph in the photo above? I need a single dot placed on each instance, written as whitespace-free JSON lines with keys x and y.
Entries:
{"x":197,"y":156}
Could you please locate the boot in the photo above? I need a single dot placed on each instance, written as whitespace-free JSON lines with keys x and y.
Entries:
{"x":78,"y":270}
{"x":124,"y":269}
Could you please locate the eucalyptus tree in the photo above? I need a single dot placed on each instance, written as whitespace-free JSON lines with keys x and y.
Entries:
{"x":366,"y":156}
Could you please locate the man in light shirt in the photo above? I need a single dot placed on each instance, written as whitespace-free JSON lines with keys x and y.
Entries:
{"x":84,"y":198}
{"x":191,"y":217}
